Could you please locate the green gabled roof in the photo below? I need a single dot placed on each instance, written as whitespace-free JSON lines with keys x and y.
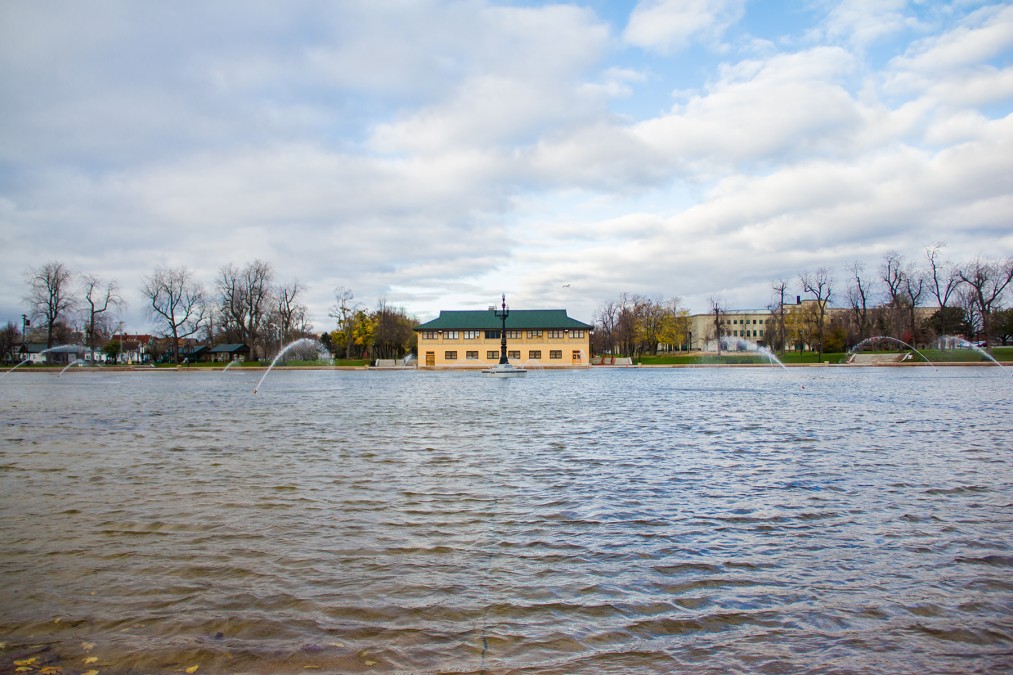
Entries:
{"x":518,"y":319}
{"x":228,"y":348}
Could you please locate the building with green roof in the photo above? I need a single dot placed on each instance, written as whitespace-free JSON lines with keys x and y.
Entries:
{"x":540,"y":338}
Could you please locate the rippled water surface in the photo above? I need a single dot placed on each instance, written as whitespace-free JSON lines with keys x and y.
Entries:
{"x":676,"y":520}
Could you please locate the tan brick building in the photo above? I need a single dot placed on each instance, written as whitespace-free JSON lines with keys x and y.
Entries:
{"x":536,"y":338}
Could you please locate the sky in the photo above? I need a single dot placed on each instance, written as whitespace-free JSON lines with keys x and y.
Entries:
{"x":435,"y":155}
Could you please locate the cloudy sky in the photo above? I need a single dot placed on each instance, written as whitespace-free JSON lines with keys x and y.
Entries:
{"x":436,"y":154}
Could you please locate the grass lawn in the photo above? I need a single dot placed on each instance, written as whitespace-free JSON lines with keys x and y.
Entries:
{"x":789,"y":358}
{"x":263,"y":364}
{"x":733,"y":358}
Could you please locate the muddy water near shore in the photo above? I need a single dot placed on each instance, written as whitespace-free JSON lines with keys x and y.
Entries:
{"x":704,"y":520}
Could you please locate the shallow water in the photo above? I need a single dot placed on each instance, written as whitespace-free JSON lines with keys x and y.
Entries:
{"x":672,"y":520}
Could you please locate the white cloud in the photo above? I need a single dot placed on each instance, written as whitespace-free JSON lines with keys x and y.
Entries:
{"x":863,"y":22}
{"x":758,"y":112}
{"x":670,"y":25}
{"x":789,"y":105}
{"x":439,"y":153}
{"x":984,"y":35}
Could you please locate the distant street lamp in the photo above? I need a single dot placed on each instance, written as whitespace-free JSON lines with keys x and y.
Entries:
{"x":25,"y":323}
{"x":119,"y":343}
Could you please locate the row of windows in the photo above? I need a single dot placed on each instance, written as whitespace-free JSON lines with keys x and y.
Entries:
{"x":533,"y":354}
{"x":744,"y":321}
{"x":495,"y":334}
{"x":745,"y":333}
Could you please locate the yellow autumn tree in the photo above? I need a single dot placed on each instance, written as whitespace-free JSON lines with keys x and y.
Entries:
{"x":802,"y":325}
{"x":364,"y":330}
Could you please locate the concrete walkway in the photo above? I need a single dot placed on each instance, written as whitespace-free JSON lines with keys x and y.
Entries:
{"x":875,"y":359}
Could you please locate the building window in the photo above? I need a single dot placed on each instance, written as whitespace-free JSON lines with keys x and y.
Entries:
{"x":555,"y":334}
{"x":492,"y":335}
{"x":451,"y":334}
{"x":577,"y":334}
{"x":535,"y":355}
{"x":472,"y":334}
{"x":428,"y":335}
{"x":492,"y":355}
{"x":534,"y":333}
{"x":555,"y":353}
{"x":514,"y":334}
{"x":450,"y":356}
{"x":471,"y":355}
{"x":514,"y":354}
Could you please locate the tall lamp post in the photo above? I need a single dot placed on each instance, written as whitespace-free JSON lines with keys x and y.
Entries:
{"x":503,"y":313}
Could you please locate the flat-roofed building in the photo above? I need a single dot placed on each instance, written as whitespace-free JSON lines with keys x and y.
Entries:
{"x":745,"y":329}
{"x":736,"y":325}
{"x":540,"y":338}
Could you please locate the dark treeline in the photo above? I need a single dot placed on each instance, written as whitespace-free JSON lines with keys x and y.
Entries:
{"x":914,"y":301}
{"x":827,"y":311}
{"x":633,"y":325}
{"x":244,"y":305}
{"x":384,"y":333}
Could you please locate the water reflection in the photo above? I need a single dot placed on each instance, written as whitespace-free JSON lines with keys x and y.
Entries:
{"x":709,"y":520}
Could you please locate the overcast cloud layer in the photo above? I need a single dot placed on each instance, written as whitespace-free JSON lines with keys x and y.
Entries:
{"x":436,"y":154}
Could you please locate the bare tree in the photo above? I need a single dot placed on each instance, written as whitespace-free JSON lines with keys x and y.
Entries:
{"x":819,"y":285}
{"x":244,"y":297}
{"x":100,"y":298}
{"x":178,"y":300}
{"x":344,"y":311}
{"x":969,"y":305}
{"x":625,"y":333}
{"x":985,"y":281}
{"x":780,"y":289}
{"x":716,"y":306}
{"x":604,"y":327}
{"x":892,"y":274}
{"x":290,"y":311}
{"x":858,"y":298}
{"x":50,"y":295}
{"x":634,"y":324}
{"x":10,"y":340}
{"x":943,"y":282}
{"x":943,"y":279}
{"x":914,"y":287}
{"x":393,"y":331}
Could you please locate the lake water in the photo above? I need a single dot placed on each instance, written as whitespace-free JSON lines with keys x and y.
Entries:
{"x":642,"y":520}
